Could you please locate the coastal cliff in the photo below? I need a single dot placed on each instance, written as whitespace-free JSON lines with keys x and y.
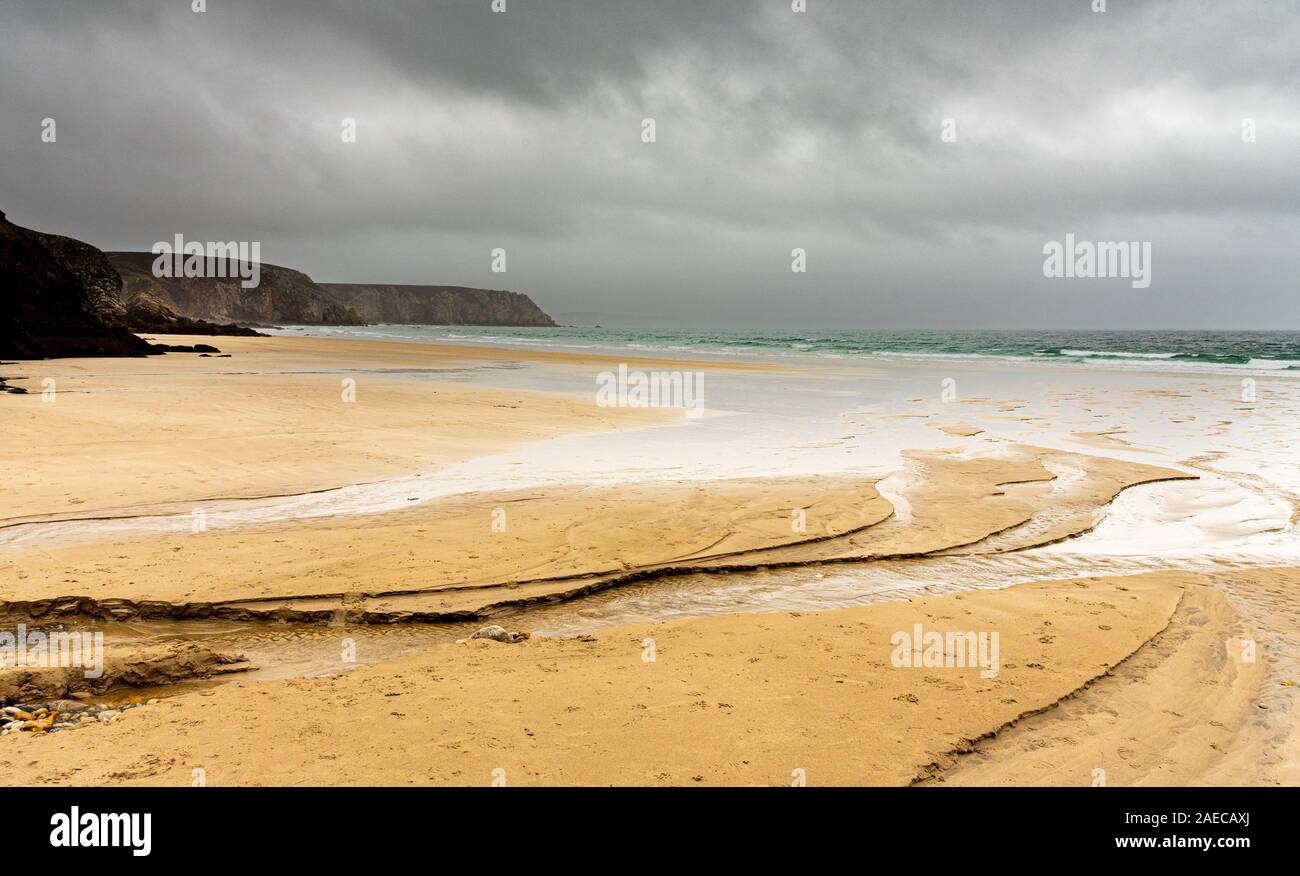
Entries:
{"x":282,"y":295}
{"x":438,"y":305}
{"x":285,"y":296}
{"x":46,"y":311}
{"x":140,"y":312}
{"x":64,"y":297}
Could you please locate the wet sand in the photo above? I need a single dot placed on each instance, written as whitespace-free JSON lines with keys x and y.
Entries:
{"x":458,"y":489}
{"x":125,"y":434}
{"x":758,"y":696}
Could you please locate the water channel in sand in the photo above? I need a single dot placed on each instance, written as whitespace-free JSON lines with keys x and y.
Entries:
{"x":1242,"y":511}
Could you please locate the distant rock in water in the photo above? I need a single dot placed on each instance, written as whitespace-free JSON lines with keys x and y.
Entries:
{"x":438,"y":305}
{"x":47,"y":311}
{"x":282,"y":295}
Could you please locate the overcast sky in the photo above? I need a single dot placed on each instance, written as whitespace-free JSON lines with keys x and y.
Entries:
{"x":775,"y":130}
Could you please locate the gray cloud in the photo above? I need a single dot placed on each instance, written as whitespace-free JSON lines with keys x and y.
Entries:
{"x":775,"y":130}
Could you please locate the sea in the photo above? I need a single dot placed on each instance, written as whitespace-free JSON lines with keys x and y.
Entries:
{"x":1203,"y":351}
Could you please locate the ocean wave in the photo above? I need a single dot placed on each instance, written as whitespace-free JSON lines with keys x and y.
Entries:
{"x":1203,"y":352}
{"x":1116,"y":354}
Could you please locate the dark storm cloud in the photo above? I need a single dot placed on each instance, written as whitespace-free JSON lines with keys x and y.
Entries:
{"x":775,"y":130}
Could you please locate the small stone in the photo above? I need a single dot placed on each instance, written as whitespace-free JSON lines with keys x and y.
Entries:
{"x":494,"y":632}
{"x":40,"y":726}
{"x":499,"y":634}
{"x":108,"y":716}
{"x":152,"y":702}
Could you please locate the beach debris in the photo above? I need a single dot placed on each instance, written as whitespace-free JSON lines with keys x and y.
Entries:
{"x":60,"y":715}
{"x":40,"y":725}
{"x":499,"y":633}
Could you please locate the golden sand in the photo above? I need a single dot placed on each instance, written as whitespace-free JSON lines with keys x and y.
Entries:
{"x":1128,"y":675}
{"x":746,"y":699}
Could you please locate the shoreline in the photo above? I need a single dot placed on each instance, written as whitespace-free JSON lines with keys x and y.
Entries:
{"x":1088,"y":360}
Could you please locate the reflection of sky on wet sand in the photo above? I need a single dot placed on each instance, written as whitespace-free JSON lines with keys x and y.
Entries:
{"x":850,"y":417}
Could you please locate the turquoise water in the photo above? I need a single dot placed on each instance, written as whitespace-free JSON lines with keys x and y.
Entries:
{"x":1159,"y":350}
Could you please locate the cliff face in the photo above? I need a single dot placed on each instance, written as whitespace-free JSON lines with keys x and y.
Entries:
{"x":90,"y":265}
{"x":103,"y":284}
{"x":281,"y":296}
{"x":287,"y":297}
{"x":438,"y":305}
{"x":46,"y":311}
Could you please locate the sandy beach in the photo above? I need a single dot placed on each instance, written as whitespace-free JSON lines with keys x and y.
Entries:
{"x":615,"y":399}
{"x":328,"y":521}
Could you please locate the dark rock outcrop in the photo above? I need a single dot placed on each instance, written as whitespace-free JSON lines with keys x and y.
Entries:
{"x":282,"y":295}
{"x":143,"y":312}
{"x":145,"y":309}
{"x":46,"y":311}
{"x":103,"y":285}
{"x":438,"y":305}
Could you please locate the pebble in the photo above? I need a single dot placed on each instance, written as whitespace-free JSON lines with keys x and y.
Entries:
{"x":40,"y":725}
{"x":59,"y":715}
